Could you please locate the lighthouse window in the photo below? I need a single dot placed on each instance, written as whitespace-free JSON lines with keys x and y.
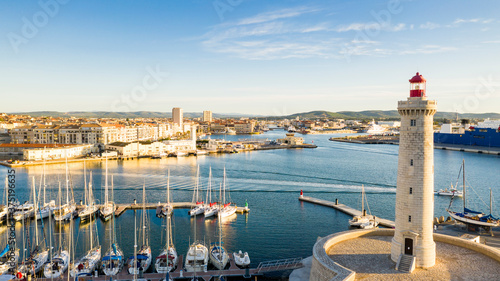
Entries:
{"x":411,"y":190}
{"x":413,"y":122}
{"x":411,"y":162}
{"x":409,"y":218}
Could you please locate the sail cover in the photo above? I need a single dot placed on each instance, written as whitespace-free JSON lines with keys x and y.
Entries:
{"x":7,"y":248}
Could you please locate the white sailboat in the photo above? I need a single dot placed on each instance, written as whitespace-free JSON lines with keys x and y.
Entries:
{"x":142,"y":259}
{"x":108,"y":208}
{"x":200,"y":206}
{"x":90,"y":208}
{"x":363,"y":221}
{"x":469,"y":216}
{"x":226,"y":209}
{"x":39,"y":256}
{"x":167,"y":260}
{"x":218,"y":254}
{"x":65,"y":212}
{"x":196,"y":256}
{"x":59,"y":262}
{"x":88,"y":263}
{"x":46,"y":209}
{"x":167,"y":208}
{"x":6,"y":255}
{"x":112,"y":262}
{"x":211,"y":209}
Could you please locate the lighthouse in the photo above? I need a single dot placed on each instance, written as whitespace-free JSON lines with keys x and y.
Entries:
{"x":413,"y":236}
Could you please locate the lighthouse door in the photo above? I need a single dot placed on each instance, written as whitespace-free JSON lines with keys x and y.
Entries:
{"x":408,"y":246}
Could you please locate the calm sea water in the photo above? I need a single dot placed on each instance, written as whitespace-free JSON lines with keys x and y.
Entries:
{"x":278,"y":225}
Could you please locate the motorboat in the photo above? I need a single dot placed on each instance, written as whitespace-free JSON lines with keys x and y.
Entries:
{"x":241,"y":259}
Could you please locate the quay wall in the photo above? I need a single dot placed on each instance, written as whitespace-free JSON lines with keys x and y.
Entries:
{"x":325,"y":269}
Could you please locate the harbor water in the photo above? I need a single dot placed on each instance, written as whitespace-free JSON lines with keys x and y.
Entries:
{"x":278,"y":225}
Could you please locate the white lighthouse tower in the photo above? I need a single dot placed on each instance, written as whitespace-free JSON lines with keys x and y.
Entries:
{"x":413,"y":236}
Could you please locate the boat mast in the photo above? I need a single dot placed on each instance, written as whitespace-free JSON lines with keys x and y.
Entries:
{"x":144,"y":214}
{"x":491,"y":203}
{"x":362,"y":200}
{"x":67,"y":181}
{"x":92,"y":214}
{"x":60,"y":225}
{"x":463,"y":179}
{"x":135,"y":245}
{"x":209,"y":186}
{"x":168,"y":187}
{"x":197,"y":183}
{"x":85,"y":183}
{"x":36,"y":209}
{"x":224,"y":187}
{"x":43,"y":172}
{"x":106,"y":184}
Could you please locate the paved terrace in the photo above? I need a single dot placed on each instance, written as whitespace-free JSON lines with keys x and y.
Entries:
{"x":370,"y":258}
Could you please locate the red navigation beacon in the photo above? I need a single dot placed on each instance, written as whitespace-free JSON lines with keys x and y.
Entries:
{"x":417,"y":86}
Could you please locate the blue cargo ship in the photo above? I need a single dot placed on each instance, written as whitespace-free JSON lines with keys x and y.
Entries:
{"x":474,"y":136}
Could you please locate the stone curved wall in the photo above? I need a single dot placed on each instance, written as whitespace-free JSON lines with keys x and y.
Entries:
{"x":325,"y":269}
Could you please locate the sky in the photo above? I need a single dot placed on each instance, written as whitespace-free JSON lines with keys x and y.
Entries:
{"x":247,"y":56}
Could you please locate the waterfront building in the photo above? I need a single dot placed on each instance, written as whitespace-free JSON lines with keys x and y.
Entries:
{"x":178,"y":117}
{"x":207,"y":116}
{"x":291,"y":139}
{"x":35,"y":152}
{"x":244,"y":127}
{"x":413,"y":234}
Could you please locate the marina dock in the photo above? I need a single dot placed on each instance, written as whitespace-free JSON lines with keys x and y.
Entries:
{"x":180,"y":273}
{"x":345,"y":209}
{"x":121,"y":208}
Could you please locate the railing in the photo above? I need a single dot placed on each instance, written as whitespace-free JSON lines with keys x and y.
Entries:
{"x":279,"y":264}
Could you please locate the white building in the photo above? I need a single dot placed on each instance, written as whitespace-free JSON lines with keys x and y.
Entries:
{"x":178,"y":116}
{"x":413,"y":236}
{"x":207,"y":116}
{"x":71,"y":151}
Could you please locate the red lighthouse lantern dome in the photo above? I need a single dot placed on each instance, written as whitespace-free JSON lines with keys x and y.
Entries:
{"x":417,"y":86}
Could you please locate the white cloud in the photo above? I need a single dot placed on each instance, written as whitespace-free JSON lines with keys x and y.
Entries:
{"x":428,"y":49}
{"x":429,"y":25}
{"x":281,"y":14}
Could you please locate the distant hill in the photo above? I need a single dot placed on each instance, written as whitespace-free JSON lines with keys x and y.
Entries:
{"x":383,"y":114}
{"x":318,"y":114}
{"x":136,"y":114}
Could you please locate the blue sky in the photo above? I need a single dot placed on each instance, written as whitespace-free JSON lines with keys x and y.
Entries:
{"x":247,"y":56}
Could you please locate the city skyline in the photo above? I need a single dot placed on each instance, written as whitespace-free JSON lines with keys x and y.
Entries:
{"x":250,"y":57}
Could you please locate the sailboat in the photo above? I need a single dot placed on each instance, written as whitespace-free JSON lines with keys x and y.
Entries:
{"x":212,"y":208}
{"x":90,"y":207}
{"x":88,"y":263}
{"x":39,"y":256}
{"x":226,"y":209}
{"x":112,"y":262}
{"x":196,"y":256}
{"x":218,"y":255}
{"x":469,"y":216}
{"x":200,"y":207}
{"x":108,"y":208}
{"x":363,"y":221}
{"x":46,"y":209}
{"x":6,"y":262}
{"x":167,"y":260}
{"x":65,"y":212}
{"x":167,"y":208}
{"x":142,"y":259}
{"x":59,"y":262}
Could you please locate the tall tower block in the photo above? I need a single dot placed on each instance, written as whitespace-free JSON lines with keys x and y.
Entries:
{"x":415,"y":184}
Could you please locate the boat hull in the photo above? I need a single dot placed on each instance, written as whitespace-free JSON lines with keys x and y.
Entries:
{"x":472,"y":221}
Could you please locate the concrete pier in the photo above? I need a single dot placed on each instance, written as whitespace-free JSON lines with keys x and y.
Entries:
{"x":345,"y":209}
